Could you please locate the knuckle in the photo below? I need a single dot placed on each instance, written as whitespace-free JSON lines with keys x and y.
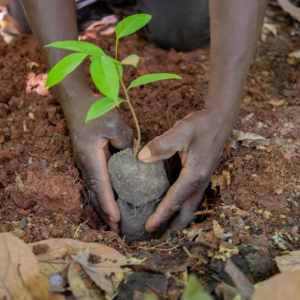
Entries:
{"x":175,"y":208}
{"x":199,"y":181}
{"x":156,"y":146}
{"x":185,"y":129}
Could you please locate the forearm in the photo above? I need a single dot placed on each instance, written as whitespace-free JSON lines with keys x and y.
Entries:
{"x":235,"y":29}
{"x":51,"y":21}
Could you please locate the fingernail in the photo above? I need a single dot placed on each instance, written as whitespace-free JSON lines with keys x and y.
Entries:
{"x":151,"y":229}
{"x":145,"y":154}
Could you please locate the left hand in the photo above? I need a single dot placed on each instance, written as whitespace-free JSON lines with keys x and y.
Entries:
{"x":199,"y":139}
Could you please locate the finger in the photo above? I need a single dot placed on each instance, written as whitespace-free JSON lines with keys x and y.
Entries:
{"x":99,"y":182}
{"x":95,"y":202}
{"x":189,"y":207}
{"x":162,"y":147}
{"x":187,"y":185}
{"x":122,"y":137}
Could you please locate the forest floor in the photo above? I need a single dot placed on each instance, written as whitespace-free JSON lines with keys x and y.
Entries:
{"x":251,"y":209}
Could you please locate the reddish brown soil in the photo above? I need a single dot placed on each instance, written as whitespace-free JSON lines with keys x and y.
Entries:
{"x":37,"y":172}
{"x":40,"y":182}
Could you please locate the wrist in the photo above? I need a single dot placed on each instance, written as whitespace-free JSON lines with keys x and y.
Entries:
{"x":224,"y":111}
{"x":223,"y":119}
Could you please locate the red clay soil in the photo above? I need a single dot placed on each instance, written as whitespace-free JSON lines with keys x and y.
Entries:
{"x":42,"y":194}
{"x":37,"y":172}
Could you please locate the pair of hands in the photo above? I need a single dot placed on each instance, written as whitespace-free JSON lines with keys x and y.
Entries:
{"x":199,"y":139}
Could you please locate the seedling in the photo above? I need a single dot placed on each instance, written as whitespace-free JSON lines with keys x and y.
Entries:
{"x":106,"y":71}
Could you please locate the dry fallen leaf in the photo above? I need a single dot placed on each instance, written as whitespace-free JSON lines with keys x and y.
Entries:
{"x":290,"y":262}
{"x":277,"y":102}
{"x":20,"y":277}
{"x":281,"y":286}
{"x":228,"y":249}
{"x":107,"y":274}
{"x":223,"y":181}
{"x":78,"y":287}
{"x":295,"y":54}
{"x":240,"y":136}
{"x":271,"y":27}
{"x":219,"y":231}
{"x":52,"y":266}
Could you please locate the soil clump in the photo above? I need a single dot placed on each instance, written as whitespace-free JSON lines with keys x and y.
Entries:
{"x":140,"y":187}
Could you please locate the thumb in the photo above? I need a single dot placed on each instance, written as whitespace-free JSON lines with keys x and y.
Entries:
{"x":162,"y":147}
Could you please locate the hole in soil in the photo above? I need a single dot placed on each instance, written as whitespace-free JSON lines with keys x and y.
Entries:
{"x":173,"y":167}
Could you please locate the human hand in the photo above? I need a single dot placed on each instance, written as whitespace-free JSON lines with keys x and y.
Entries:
{"x":90,"y":145}
{"x":199,"y":139}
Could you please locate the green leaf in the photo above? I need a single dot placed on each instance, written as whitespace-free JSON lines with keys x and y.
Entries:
{"x":105,"y":76}
{"x":101,"y":107}
{"x":78,"y":46}
{"x":130,"y":60}
{"x":194,"y":290}
{"x":64,"y":67}
{"x":152,"y":78}
{"x":120,"y":70}
{"x":132,"y":24}
{"x":151,"y":297}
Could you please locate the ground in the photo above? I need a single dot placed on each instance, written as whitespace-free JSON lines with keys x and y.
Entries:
{"x":254,"y":195}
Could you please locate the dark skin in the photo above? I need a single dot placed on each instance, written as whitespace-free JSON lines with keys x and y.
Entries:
{"x":199,"y":138}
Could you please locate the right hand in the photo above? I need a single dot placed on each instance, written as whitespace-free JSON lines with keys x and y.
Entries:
{"x":90,"y":146}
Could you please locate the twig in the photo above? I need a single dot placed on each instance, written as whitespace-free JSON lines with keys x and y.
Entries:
{"x":167,"y":249}
{"x":287,"y":185}
{"x":78,"y":229}
{"x":154,"y":247}
{"x":188,"y":253}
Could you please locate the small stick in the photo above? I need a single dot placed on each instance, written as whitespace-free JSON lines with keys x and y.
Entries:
{"x":78,"y":229}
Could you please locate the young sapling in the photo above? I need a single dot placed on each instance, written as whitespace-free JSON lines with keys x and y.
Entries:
{"x":106,"y":71}
{"x":140,"y":187}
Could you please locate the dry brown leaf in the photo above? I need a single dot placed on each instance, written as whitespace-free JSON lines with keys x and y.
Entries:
{"x":228,"y":249}
{"x":240,"y":136}
{"x":107,"y":274}
{"x":77,"y":285}
{"x":52,"y":266}
{"x":247,"y":99}
{"x":17,"y":264}
{"x":59,"y":248}
{"x":277,"y":102}
{"x":219,"y":231}
{"x":284,"y":286}
{"x":290,"y":262}
{"x":20,"y":277}
{"x":271,"y":27}
{"x":38,"y":287}
{"x":223,"y":181}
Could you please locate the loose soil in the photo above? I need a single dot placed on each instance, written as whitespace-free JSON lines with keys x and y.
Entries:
{"x":42,"y":194}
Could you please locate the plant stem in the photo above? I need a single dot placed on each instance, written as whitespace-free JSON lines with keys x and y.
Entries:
{"x":134,"y":117}
{"x":116,"y":50}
